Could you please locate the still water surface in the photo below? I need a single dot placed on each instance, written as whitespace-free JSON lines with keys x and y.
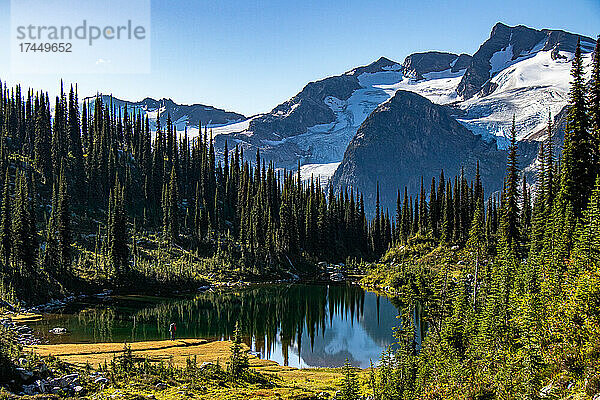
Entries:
{"x":295,"y":325}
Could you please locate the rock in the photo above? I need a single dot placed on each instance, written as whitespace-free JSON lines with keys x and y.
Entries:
{"x":101,"y":380}
{"x":6,"y":323}
{"x":24,"y":374}
{"x":78,"y":389}
{"x":205,"y":365}
{"x":68,"y":380}
{"x":41,"y":385}
{"x":337,"y":277}
{"x":418,"y":64}
{"x":30,"y":389}
{"x":105,"y":293}
{"x":546,"y":391}
{"x":161,"y":386}
{"x":23,"y":329}
{"x":7,"y":305}
{"x":323,"y":395}
{"x":58,"y":331}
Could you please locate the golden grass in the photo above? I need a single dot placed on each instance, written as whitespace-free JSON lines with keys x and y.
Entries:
{"x":176,"y":351}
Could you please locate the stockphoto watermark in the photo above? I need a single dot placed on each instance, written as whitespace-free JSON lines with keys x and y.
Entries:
{"x":85,"y":32}
{"x":66,"y":36}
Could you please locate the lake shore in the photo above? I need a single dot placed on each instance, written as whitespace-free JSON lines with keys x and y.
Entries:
{"x":302,"y":382}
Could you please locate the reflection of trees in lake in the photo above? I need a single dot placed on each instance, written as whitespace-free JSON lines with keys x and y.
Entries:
{"x":267,"y":313}
{"x":98,"y":323}
{"x":87,"y":325}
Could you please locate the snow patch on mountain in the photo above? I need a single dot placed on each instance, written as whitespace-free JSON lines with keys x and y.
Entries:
{"x":501,"y":59}
{"x":233,"y":126}
{"x":439,"y":87}
{"x":323,"y":172}
{"x":326,"y":143}
{"x":528,"y":90}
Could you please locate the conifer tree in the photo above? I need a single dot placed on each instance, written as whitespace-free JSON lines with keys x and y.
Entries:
{"x":5,"y":222}
{"x":477,"y":242}
{"x":525,"y":217}
{"x":510,"y":211}
{"x":43,"y":134}
{"x":578,"y":169}
{"x":587,"y":246}
{"x":350,"y":386}
{"x":594,"y":104}
{"x":117,"y":232}
{"x":23,"y":250}
{"x":171,"y":208}
{"x":238,"y":359}
{"x":548,"y":170}
{"x":63,"y":222}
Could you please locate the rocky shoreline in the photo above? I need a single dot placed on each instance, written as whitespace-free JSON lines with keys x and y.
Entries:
{"x":32,"y":375}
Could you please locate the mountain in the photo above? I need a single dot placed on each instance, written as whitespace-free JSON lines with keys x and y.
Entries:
{"x":408,"y":137}
{"x":517,"y":71}
{"x":315,"y":126}
{"x":182,"y":115}
{"x":509,"y":45}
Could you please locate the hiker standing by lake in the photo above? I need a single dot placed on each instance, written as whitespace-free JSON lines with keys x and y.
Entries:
{"x":172,"y":329}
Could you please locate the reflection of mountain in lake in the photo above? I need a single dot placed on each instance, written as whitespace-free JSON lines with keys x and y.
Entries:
{"x":324,"y":324}
{"x":358,"y":338}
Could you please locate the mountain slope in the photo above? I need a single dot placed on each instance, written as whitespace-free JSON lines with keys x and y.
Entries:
{"x":518,"y":71}
{"x":409,"y":137}
{"x":316,"y":125}
{"x":508,"y":45}
{"x":182,"y":115}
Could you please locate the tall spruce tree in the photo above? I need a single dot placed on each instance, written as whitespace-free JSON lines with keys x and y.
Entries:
{"x":594,"y":104}
{"x":5,"y":222}
{"x":510,"y":204}
{"x":578,"y":169}
{"x":63,"y":222}
{"x":117,"y":232}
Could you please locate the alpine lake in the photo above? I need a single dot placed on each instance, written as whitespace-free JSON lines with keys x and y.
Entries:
{"x":297,"y":325}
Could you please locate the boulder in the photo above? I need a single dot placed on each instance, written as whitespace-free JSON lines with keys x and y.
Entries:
{"x":68,"y":380}
{"x":206,"y":364}
{"x":24,"y":374}
{"x":30,"y":389}
{"x":101,"y":380}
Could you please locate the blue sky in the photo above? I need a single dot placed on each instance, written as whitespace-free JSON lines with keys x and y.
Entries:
{"x":248,"y":56}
